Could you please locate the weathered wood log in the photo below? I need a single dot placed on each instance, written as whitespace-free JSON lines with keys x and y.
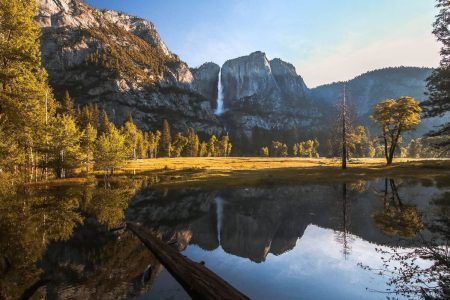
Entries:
{"x":198,"y":281}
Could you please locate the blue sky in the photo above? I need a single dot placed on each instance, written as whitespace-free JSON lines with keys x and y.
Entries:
{"x":326,"y":40}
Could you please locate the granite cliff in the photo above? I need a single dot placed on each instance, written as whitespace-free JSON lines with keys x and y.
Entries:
{"x":121,"y":63}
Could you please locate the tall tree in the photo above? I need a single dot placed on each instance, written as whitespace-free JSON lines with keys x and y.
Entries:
{"x":131,"y":133}
{"x":103,"y":123}
{"x":153,"y":143}
{"x":224,"y":146}
{"x":345,"y":123}
{"x":178,"y":145}
{"x":212,"y":146}
{"x":395,"y":116}
{"x":193,"y":143}
{"x":166,"y":139}
{"x":65,"y":151}
{"x":67,"y":106}
{"x":110,"y":150}
{"x":26,"y":102}
{"x":88,"y":145}
{"x":438,"y":83}
{"x":203,"y":152}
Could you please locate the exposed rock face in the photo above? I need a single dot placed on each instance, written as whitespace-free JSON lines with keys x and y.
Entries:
{"x":250,"y":76}
{"x":205,"y":81}
{"x":264,"y":94}
{"x":291,"y":85}
{"x":121,"y":63}
{"x":267,"y":95}
{"x":271,"y":84}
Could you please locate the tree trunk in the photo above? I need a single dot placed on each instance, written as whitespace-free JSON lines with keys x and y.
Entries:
{"x":344,"y":143}
{"x":385,"y":145}
{"x":198,"y":281}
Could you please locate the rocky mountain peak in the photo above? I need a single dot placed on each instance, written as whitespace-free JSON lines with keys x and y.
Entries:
{"x":247,"y":76}
{"x":119,"y":62}
{"x":205,"y":81}
{"x":74,"y":13}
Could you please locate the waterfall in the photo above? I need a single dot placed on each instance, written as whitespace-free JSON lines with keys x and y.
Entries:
{"x":219,"y":215}
{"x":219,"y":109}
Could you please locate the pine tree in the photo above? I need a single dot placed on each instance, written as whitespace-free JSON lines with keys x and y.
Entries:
{"x":265,"y":152}
{"x":438,"y":83}
{"x":26,"y":103}
{"x":153,"y":143}
{"x":142,"y":147}
{"x":279,"y":149}
{"x":224,"y":146}
{"x":110,"y":150}
{"x":131,"y":133}
{"x":212,"y":146}
{"x":191,"y":148}
{"x":65,"y":151}
{"x":203,"y":150}
{"x":178,"y":145}
{"x":166,"y":140}
{"x":88,"y":145}
{"x":103,"y":123}
{"x":67,"y":106}
{"x":89,"y":114}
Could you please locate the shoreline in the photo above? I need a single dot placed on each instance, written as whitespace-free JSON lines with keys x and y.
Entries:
{"x":237,"y":171}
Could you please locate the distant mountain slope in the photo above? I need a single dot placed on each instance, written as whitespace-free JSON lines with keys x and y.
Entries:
{"x":370,"y":88}
{"x":121,"y":63}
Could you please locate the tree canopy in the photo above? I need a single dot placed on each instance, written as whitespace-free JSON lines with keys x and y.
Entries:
{"x":438,"y":83}
{"x":395,"y":116}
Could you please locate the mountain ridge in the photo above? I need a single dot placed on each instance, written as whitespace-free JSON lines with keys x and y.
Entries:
{"x":121,"y":63}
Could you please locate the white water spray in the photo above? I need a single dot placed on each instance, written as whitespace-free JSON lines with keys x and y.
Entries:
{"x":219,"y":109}
{"x":219,"y":215}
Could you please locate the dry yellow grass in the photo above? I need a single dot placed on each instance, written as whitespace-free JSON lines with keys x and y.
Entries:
{"x":258,"y":163}
{"x":232,"y":171}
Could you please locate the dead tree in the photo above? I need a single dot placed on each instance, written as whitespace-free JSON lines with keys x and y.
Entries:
{"x":344,"y":120}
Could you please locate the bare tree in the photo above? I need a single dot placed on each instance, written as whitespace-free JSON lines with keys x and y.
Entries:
{"x":344,"y":121}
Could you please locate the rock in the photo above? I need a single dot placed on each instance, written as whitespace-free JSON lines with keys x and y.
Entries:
{"x":250,"y":77}
{"x":120,"y":63}
{"x":205,"y":81}
{"x":268,"y":95}
{"x":291,"y":85}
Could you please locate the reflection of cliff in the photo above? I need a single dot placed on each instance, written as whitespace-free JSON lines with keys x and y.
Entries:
{"x":96,"y":263}
{"x":258,"y":221}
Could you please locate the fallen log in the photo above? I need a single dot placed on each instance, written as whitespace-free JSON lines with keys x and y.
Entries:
{"x":198,"y":281}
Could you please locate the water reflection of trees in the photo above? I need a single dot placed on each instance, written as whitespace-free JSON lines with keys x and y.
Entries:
{"x":107,"y":203}
{"x":33,"y":218}
{"x":422,"y":268}
{"x":29,"y":222}
{"x":397,"y":218}
{"x":343,"y":235}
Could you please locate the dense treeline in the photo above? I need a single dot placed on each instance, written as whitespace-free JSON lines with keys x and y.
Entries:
{"x":40,"y":136}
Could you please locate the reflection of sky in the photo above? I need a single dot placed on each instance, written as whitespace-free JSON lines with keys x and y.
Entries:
{"x":314,"y":269}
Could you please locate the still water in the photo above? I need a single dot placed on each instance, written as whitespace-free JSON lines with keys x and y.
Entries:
{"x":306,"y":241}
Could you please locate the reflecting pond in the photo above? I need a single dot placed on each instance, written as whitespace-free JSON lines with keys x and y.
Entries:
{"x":356,"y":240}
